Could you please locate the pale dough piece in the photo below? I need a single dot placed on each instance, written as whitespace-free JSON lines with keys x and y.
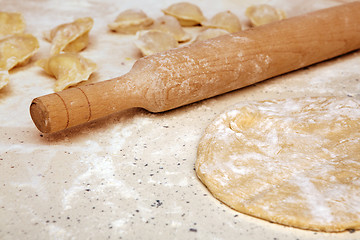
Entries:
{"x":224,"y":20}
{"x":295,"y":162}
{"x":70,"y":37}
{"x":16,"y":50}
{"x":264,"y":14}
{"x":154,"y":41}
{"x":210,"y":33}
{"x":11,"y":23}
{"x":130,"y":21}
{"x":170,"y":24}
{"x":68,"y":68}
{"x":187,"y":13}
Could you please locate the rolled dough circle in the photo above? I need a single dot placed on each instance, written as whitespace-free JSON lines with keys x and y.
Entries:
{"x":294,"y":162}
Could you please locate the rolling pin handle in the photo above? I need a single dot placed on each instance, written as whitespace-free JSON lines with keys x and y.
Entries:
{"x":78,"y":105}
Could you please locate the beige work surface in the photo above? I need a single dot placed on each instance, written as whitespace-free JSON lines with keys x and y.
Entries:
{"x":131,"y":175}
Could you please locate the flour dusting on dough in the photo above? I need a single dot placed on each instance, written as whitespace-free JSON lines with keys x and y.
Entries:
{"x":292,"y":161}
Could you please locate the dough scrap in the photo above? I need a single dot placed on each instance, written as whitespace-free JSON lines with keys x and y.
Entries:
{"x":187,"y":13}
{"x":70,"y":37}
{"x":225,"y":20}
{"x":295,"y":162}
{"x":170,"y":24}
{"x":11,"y":23}
{"x":264,"y":14}
{"x":154,"y":41}
{"x":68,"y":68}
{"x":130,"y":21}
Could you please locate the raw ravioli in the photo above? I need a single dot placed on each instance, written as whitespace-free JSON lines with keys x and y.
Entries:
{"x":68,"y":68}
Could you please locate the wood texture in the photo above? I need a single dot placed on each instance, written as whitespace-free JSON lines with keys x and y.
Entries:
{"x":205,"y":69}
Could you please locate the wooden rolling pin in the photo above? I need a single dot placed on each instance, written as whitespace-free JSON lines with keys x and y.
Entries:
{"x":205,"y":69}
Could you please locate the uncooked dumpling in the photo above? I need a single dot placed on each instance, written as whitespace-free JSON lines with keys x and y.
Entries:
{"x":154,"y":41}
{"x":264,"y":14}
{"x":70,"y":37}
{"x":295,"y":162}
{"x":130,"y":21}
{"x":68,"y":68}
{"x":224,"y":20}
{"x":170,"y":24}
{"x":11,"y":23}
{"x":187,"y":13}
{"x":211,"y":33}
{"x":17,"y":50}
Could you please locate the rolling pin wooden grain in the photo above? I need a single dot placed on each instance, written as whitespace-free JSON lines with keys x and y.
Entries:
{"x":205,"y":69}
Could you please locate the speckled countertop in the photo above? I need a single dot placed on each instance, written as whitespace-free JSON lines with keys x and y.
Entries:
{"x":131,"y":175}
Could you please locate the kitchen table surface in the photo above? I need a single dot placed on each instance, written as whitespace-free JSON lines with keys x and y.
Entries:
{"x":131,"y":175}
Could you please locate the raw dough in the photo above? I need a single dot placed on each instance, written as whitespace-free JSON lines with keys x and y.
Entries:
{"x":210,"y":33}
{"x":68,"y":68}
{"x":295,"y":162}
{"x":170,"y":24}
{"x":130,"y":21}
{"x":154,"y":41}
{"x":224,"y":20}
{"x":15,"y":50}
{"x":11,"y":23}
{"x":264,"y":14}
{"x":70,"y":37}
{"x":187,"y":13}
